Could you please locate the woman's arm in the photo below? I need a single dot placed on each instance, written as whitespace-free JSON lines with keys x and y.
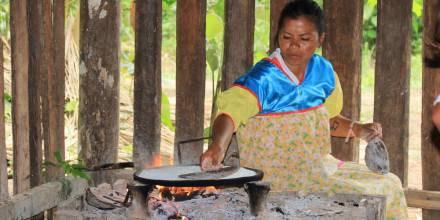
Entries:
{"x":344,"y":127}
{"x":223,"y":129}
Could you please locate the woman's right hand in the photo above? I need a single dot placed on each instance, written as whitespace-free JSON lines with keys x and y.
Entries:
{"x":211,"y":159}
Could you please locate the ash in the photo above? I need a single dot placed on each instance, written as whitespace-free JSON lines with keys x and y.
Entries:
{"x":233,"y":203}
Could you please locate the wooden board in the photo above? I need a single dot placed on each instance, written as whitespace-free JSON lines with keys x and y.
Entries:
{"x":42,"y":198}
{"x":147,"y":82}
{"x":342,"y":46}
{"x":431,"y":88}
{"x":20,"y":106}
{"x":391,"y":92}
{"x":99,"y":81}
{"x":423,"y":199}
{"x":190,"y":77}
{"x":239,"y":40}
{"x":36,"y":82}
{"x":59,"y":75}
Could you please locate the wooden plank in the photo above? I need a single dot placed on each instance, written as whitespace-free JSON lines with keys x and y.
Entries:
{"x":42,"y":198}
{"x":342,"y":46}
{"x":49,"y":112}
{"x":430,"y":84}
{"x":35,"y":83}
{"x":20,"y":106}
{"x":190,"y":77}
{"x":147,"y":82}
{"x":239,"y":40}
{"x":99,"y":81}
{"x":276,"y":6}
{"x":391,"y":92}
{"x":424,"y":199}
{"x":4,"y":194}
{"x":59,"y":78}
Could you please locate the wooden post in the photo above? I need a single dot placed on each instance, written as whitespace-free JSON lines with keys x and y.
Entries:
{"x":431,"y":88}
{"x":99,"y":81}
{"x":59,"y":75}
{"x":35,"y":82}
{"x":342,"y":46}
{"x":3,"y":167}
{"x":276,"y":6}
{"x":49,"y":108}
{"x":391,"y":94}
{"x":147,"y":82}
{"x":239,"y":40}
{"x":20,"y":106}
{"x":190,"y":76}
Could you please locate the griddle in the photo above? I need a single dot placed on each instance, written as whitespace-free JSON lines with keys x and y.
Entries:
{"x":169,"y":176}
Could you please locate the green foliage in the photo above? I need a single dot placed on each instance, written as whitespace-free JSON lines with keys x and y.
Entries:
{"x":75,"y":170}
{"x":70,"y":107}
{"x":8,"y":106}
{"x":370,"y":25}
{"x":165,"y":112}
{"x":4,"y":19}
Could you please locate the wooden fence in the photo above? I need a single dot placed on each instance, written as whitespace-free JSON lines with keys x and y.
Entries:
{"x":37,"y":41}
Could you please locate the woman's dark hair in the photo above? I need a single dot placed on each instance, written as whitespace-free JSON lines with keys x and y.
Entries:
{"x":297,"y":8}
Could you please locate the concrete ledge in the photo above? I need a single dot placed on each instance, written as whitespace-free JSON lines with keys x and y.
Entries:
{"x":42,"y":198}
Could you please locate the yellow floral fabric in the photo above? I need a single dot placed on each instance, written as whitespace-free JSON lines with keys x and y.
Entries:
{"x":293,"y":150}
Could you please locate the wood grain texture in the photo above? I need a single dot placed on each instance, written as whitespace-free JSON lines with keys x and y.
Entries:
{"x":190,"y":77}
{"x":99,"y":81}
{"x":342,"y":47}
{"x":20,"y":105}
{"x":431,"y":88}
{"x":35,"y":83}
{"x":239,"y":40}
{"x":391,"y":92}
{"x":59,"y":75}
{"x":147,"y":82}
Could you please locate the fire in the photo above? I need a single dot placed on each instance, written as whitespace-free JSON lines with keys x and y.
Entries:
{"x":181,"y":193}
{"x":177,"y":192}
{"x":159,"y":160}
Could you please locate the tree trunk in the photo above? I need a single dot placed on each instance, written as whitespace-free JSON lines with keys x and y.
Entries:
{"x":239,"y":40}
{"x":20,"y":105}
{"x":190,"y":77}
{"x":99,"y":81}
{"x":431,"y":88}
{"x":147,"y":82}
{"x":342,"y":47}
{"x":391,"y":94}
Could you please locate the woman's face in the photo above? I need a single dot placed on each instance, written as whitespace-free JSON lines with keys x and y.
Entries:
{"x":298,"y":39}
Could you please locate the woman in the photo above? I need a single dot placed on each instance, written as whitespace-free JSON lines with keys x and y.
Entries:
{"x":280,"y":110}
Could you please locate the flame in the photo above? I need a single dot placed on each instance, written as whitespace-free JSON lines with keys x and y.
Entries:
{"x":158,"y":160}
{"x":183,"y":191}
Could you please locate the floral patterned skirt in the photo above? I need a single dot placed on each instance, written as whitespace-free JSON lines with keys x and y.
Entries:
{"x":293,"y":150}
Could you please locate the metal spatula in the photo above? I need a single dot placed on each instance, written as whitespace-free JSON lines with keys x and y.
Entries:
{"x":211,"y":175}
{"x":376,"y":156}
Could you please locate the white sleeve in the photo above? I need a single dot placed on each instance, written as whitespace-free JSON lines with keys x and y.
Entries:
{"x":437,"y":100}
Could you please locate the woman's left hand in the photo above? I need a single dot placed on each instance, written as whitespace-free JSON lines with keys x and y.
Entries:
{"x":368,"y":131}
